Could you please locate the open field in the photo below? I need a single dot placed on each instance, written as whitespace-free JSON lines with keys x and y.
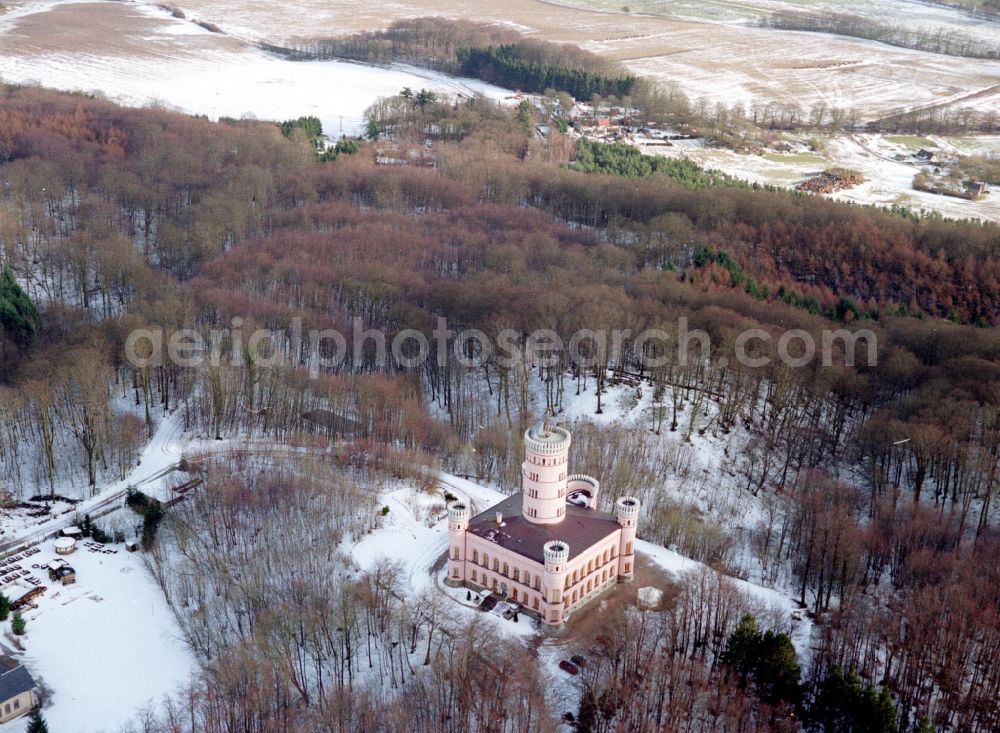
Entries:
{"x":887,"y":180}
{"x":715,"y":56}
{"x":106,"y":646}
{"x":138,"y":54}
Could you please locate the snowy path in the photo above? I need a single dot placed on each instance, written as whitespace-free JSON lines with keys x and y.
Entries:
{"x":160,"y":456}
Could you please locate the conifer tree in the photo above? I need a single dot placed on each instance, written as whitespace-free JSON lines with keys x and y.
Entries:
{"x":36,"y":723}
{"x":742,"y":647}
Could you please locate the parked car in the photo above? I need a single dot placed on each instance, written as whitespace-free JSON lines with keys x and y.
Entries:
{"x":578,"y":660}
{"x":568,"y":667}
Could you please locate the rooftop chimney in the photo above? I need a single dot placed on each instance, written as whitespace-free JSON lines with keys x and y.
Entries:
{"x":499,"y":517}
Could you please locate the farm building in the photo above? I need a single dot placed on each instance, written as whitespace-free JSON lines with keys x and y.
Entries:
{"x":18,"y":691}
{"x":976,"y":189}
{"x":546,"y":548}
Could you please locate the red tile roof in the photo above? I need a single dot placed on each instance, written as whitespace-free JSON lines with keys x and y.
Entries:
{"x":581,"y":529}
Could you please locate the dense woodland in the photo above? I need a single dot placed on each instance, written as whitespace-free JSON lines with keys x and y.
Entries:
{"x":492,"y":53}
{"x":881,"y":479}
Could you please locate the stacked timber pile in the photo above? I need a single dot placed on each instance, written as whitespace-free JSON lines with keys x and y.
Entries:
{"x":830,"y":180}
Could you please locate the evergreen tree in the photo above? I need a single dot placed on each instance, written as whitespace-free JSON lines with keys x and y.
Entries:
{"x":776,"y":674}
{"x":18,"y":315}
{"x":36,"y":723}
{"x":525,"y":115}
{"x":4,"y":607}
{"x":844,"y":704}
{"x":18,"y":624}
{"x":924,"y":725}
{"x":878,"y":714}
{"x":742,"y":647}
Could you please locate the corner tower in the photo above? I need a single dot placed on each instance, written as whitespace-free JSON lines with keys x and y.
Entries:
{"x":459,"y":515}
{"x":627,"y":513}
{"x":556,"y":554}
{"x":543,"y":474}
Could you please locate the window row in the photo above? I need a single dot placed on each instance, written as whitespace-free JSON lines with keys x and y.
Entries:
{"x":505,"y":570}
{"x":542,"y":461}
{"x":523,"y":597}
{"x":597,"y":563}
{"x":591,"y":585}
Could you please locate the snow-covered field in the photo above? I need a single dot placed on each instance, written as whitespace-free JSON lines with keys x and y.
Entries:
{"x":140,"y":55}
{"x":887,"y":180}
{"x":711,"y":50}
{"x":136,"y":52}
{"x":105,"y":646}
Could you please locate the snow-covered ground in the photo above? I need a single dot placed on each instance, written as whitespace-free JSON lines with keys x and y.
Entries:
{"x":156,"y":461}
{"x":174,"y":63}
{"x":887,"y":180}
{"x":415,"y":535}
{"x":105,"y":646}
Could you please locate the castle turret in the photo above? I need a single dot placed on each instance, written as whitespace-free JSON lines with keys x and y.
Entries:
{"x":543,"y":474}
{"x":556,"y":554}
{"x":627,"y":513}
{"x":459,"y":515}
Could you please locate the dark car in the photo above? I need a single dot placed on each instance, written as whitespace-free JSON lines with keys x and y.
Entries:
{"x":568,"y":667}
{"x":578,"y":660}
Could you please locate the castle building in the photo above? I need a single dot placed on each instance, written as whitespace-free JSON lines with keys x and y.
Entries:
{"x":545,"y":548}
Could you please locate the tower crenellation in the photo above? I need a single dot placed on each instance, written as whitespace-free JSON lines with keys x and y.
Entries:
{"x":627,"y":507}
{"x":544,"y":473}
{"x":459,"y":512}
{"x":556,"y":554}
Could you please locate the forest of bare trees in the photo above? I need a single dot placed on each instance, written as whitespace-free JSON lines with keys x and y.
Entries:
{"x":881,"y":479}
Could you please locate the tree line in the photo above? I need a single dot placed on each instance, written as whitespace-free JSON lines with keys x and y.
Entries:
{"x":951,"y":43}
{"x":497,"y":55}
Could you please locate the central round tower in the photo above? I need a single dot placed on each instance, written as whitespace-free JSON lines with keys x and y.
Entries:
{"x":543,"y":474}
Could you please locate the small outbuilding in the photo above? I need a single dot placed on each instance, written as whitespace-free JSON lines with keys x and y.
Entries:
{"x":132,"y":545}
{"x":60,"y":571}
{"x":75,"y":532}
{"x":65,"y":545}
{"x":18,"y":690}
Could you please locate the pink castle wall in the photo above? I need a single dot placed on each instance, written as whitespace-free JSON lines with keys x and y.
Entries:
{"x":559,"y":586}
